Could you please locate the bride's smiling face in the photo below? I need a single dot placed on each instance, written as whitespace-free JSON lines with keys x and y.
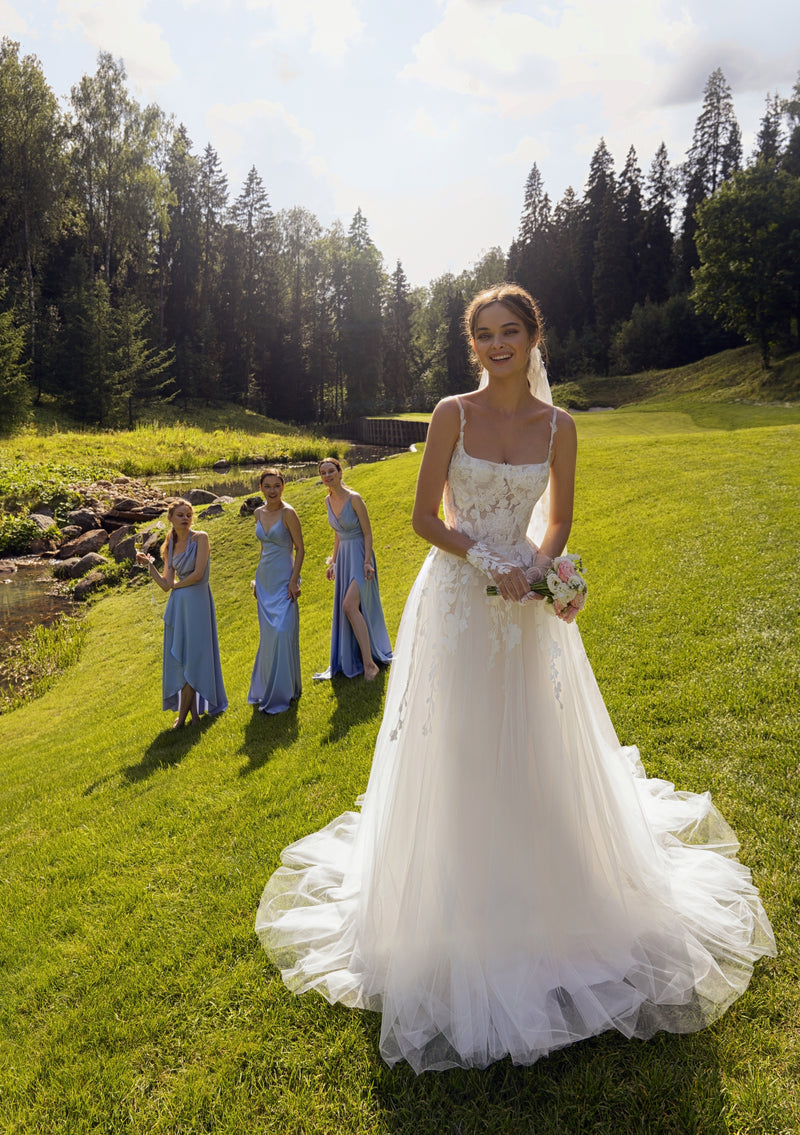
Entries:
{"x":501,"y":341}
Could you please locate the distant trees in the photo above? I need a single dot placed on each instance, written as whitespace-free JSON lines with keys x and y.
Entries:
{"x":748,"y":240}
{"x":131,"y":271}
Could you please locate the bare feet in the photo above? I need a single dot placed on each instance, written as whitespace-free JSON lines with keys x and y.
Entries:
{"x":371,"y":671}
{"x":177,"y":723}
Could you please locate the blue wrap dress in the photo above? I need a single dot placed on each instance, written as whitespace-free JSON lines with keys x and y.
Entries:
{"x":276,"y":673}
{"x":345,"y":654}
{"x":191,"y":650}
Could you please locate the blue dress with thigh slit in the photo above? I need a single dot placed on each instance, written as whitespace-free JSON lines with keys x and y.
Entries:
{"x":345,"y":654}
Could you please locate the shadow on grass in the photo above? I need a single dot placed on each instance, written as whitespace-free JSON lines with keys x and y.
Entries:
{"x":266,"y":732}
{"x":356,"y":701}
{"x":670,"y":1085}
{"x":168,"y":748}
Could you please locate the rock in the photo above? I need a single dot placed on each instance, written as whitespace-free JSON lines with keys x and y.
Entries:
{"x":85,"y":564}
{"x":125,"y":504}
{"x":42,"y":509}
{"x":40,"y":547}
{"x":7,"y":567}
{"x":224,"y":500}
{"x":63,"y":569}
{"x":88,"y":584}
{"x":41,"y":520}
{"x":83,"y":518}
{"x":70,"y":531}
{"x":120,"y":534}
{"x":125,"y":549}
{"x":88,"y":542}
{"x":214,"y":509}
{"x":117,"y":518}
{"x":249,"y":505}
{"x":153,"y":539}
{"x":223,"y":463}
{"x":200,"y":496}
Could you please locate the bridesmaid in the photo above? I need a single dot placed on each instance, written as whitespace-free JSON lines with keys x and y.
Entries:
{"x":276,"y":673}
{"x":191,"y":674}
{"x":359,"y":639}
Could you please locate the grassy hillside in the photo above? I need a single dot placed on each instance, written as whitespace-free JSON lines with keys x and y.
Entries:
{"x":730,"y":376}
{"x":178,"y":439}
{"x":135,"y":997}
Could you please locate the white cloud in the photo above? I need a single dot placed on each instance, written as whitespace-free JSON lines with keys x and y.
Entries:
{"x":264,"y":134}
{"x":334,"y":25}
{"x":435,"y":231}
{"x":423,"y":124}
{"x":11,"y":21}
{"x":520,"y":64}
{"x":527,"y":151}
{"x":119,"y":27}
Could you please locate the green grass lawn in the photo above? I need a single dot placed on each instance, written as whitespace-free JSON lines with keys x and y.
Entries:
{"x":177,"y":439}
{"x":134,"y":994}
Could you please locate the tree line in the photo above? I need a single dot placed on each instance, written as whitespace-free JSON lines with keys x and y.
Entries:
{"x":129,"y":271}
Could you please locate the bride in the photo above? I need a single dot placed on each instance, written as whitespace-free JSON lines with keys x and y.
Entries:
{"x":513,"y":882}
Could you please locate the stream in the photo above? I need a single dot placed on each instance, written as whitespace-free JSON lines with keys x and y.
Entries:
{"x":26,"y":595}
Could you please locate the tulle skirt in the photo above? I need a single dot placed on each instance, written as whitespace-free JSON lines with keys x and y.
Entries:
{"x":513,"y":882}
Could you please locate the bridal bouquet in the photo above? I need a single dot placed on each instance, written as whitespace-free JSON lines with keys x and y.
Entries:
{"x":563,"y":586}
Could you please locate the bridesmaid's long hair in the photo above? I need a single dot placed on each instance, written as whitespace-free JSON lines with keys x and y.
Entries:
{"x":171,"y":534}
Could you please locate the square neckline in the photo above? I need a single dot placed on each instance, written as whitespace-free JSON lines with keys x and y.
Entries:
{"x":507,"y":464}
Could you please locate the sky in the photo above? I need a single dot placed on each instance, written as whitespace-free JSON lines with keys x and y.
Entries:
{"x":425,"y":114}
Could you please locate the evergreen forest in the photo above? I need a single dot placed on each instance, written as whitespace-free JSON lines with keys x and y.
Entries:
{"x":131,"y":271}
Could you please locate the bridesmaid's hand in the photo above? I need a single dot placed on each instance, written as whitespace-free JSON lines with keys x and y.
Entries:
{"x":294,"y":591}
{"x":330,"y":572}
{"x":369,"y":571}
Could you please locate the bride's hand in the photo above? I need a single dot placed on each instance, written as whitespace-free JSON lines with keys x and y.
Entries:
{"x":511,"y":582}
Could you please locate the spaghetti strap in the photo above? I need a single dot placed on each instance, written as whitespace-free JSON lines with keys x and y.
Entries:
{"x":552,"y":433}
{"x":463,"y":419}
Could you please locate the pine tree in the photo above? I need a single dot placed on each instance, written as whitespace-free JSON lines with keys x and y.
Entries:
{"x":657,"y":254}
{"x":32,"y":178}
{"x":713,"y":157}
{"x":770,"y":139}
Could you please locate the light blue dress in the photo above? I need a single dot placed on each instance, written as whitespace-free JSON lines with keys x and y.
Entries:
{"x":276,"y":673}
{"x":345,"y":655}
{"x":191,"y":650}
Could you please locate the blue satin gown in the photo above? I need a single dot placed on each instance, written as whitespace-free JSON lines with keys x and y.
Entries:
{"x":191,"y":650}
{"x":276,"y":673}
{"x":345,"y":654}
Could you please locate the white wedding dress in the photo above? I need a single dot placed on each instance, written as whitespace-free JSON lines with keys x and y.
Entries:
{"x":513,"y":883}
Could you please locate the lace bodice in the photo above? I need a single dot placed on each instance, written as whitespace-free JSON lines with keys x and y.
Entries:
{"x":492,"y":501}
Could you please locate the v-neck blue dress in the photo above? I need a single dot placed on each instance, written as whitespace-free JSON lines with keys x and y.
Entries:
{"x":345,"y":654}
{"x":191,"y":649}
{"x":276,"y":673}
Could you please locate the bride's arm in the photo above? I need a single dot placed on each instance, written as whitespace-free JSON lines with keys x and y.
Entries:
{"x":439,"y":445}
{"x":562,"y":487}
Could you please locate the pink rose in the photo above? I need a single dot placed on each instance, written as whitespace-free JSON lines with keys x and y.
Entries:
{"x":579,"y":601}
{"x":565,"y":571}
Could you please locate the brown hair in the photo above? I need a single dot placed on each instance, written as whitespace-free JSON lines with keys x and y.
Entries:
{"x":517,"y":300}
{"x":175,"y":504}
{"x":271,"y":473}
{"x":329,"y":461}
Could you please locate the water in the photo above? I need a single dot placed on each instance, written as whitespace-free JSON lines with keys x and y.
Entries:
{"x":239,"y":481}
{"x":27,"y":599}
{"x":242,"y":480}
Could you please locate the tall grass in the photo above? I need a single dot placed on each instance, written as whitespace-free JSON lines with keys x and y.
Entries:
{"x":169,"y":444}
{"x":134,"y":995}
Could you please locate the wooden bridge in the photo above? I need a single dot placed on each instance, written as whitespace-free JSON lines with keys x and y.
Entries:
{"x":396,"y":432}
